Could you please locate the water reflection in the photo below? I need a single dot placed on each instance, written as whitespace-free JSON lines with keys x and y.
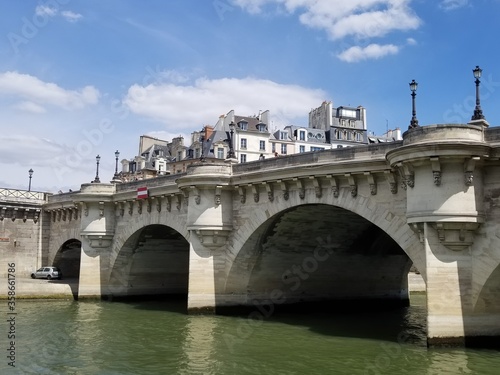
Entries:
{"x":66,"y":337}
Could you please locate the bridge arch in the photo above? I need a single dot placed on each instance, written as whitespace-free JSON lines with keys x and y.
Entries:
{"x":67,"y":258}
{"x":154,"y":260}
{"x":378,"y":222}
{"x":57,"y":242}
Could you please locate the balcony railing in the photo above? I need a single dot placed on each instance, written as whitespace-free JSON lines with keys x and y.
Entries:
{"x":21,"y":195}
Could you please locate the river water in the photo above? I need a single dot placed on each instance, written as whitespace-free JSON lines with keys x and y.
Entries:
{"x":158,"y":337}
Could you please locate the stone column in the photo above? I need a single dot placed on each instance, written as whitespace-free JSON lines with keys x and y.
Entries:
{"x":97,"y":231}
{"x":449,"y":290}
{"x":208,"y":192}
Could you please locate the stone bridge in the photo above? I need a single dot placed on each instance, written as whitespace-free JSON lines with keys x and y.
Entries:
{"x":336,"y":225}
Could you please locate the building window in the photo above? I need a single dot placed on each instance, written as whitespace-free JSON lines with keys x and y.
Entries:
{"x":273,"y":147}
{"x":179,"y":155}
{"x":283,"y":136}
{"x":302,"y":148}
{"x":243,"y":158}
{"x":262,"y":145}
{"x":261,"y":127}
{"x":339,"y":134}
{"x":349,"y":136}
{"x":197,"y":153}
{"x":243,"y":125}
{"x":358,"y":137}
{"x":317,"y":148}
{"x":243,"y":143}
{"x":302,"y":135}
{"x":220,"y":153}
{"x":283,"y":148}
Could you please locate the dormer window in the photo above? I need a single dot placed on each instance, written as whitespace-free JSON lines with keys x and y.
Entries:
{"x":261,"y":127}
{"x":283,"y":136}
{"x":243,"y":125}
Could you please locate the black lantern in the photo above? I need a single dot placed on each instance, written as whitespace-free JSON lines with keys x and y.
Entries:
{"x":230,"y":154}
{"x":30,"y":173}
{"x":413,"y":89}
{"x":478,"y":112}
{"x":97,"y":159}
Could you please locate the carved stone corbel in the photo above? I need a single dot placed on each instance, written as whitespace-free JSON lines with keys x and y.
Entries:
{"x":139,"y":207}
{"x":352,"y":185}
{"x":26,"y":212}
{"x":407,"y":175}
{"x":2,"y":214}
{"x":242,"y":193}
{"x":85,"y":208}
{"x":255,"y":192}
{"x":169,"y":202}
{"x":121,"y":208}
{"x":317,"y":186}
{"x":178,"y":203}
{"x":418,"y":228}
{"x":469,"y":167}
{"x":391,"y":179}
{"x":36,"y":216}
{"x":436,"y":170}
{"x":148,"y":205}
{"x":158,"y":203}
{"x":63,"y":214}
{"x":70,"y":213}
{"x":218,"y":192}
{"x":334,"y":184}
{"x":300,"y":187}
{"x":130,"y":207}
{"x":14,"y":214}
{"x":269,"y":189}
{"x":196,"y":194}
{"x":101,"y":209}
{"x":58,"y":214}
{"x":284,"y":189}
{"x":371,"y":182}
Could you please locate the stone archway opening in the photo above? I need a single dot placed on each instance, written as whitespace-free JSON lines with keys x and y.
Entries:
{"x":67,"y":259}
{"x":320,"y":253}
{"x":153,"y":262}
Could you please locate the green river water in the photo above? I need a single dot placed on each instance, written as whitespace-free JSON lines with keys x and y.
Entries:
{"x":157,"y":337}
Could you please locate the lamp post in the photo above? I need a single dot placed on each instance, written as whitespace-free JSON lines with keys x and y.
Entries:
{"x":413,"y":89}
{"x":230,"y":154}
{"x":478,"y":112}
{"x":117,"y":155}
{"x":30,"y":172}
{"x":96,"y":179}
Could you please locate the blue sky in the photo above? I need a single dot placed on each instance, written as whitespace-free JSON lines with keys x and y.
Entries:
{"x":81,"y":78}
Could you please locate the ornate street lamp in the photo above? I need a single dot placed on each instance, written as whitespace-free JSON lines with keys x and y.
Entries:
{"x":230,"y":154}
{"x":117,"y":155}
{"x":413,"y":89}
{"x":30,"y":172}
{"x":97,"y":159}
{"x":478,"y":112}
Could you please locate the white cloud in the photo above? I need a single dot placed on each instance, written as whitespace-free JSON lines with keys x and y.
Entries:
{"x":183,"y":107}
{"x":373,"y":51}
{"x":411,"y":42}
{"x":341,"y":18}
{"x":43,"y":93}
{"x":71,"y":16}
{"x":45,"y":11}
{"x":30,"y":107}
{"x":453,"y":4}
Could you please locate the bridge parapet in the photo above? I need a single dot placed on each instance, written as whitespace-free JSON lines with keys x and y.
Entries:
{"x":440,"y":168}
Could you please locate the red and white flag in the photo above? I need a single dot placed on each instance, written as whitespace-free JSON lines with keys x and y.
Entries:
{"x":142,"y":192}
